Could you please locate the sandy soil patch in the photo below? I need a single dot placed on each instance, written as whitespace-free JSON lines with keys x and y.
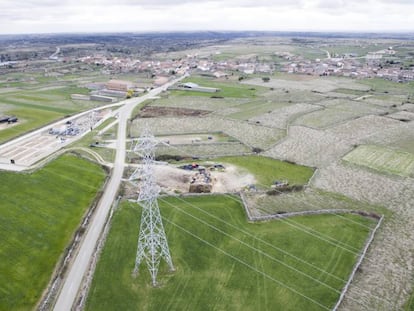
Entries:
{"x":175,"y":180}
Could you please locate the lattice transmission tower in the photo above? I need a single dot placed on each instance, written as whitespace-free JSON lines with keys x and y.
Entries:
{"x":152,"y":241}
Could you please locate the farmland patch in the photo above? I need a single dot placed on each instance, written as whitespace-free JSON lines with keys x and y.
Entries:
{"x":337,"y":113}
{"x":155,"y":111}
{"x":355,"y":131}
{"x":204,"y":271}
{"x":383,"y":160}
{"x":261,"y":204}
{"x":280,"y":118}
{"x":251,"y":109}
{"x":33,"y":117}
{"x":317,"y":84}
{"x":400,"y":137}
{"x":309,"y":147}
{"x":39,"y":214}
{"x":267,"y":170}
{"x":250,"y":134}
{"x":198,"y":102}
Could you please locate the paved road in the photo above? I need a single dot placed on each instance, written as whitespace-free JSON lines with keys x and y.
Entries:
{"x":79,"y":267}
{"x":29,"y":137}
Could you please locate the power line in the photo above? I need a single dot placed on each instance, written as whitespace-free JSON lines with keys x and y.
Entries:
{"x":321,"y":236}
{"x":254,"y":248}
{"x":263,"y":241}
{"x":301,"y":260}
{"x":296,"y":198}
{"x":248,"y":265}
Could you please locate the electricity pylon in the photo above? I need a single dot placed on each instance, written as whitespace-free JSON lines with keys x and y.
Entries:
{"x":152,"y":241}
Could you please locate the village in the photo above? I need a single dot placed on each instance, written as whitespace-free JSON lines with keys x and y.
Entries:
{"x":379,"y":64}
{"x":386,"y":60}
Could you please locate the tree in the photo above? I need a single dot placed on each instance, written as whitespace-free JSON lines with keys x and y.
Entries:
{"x":266,"y":79}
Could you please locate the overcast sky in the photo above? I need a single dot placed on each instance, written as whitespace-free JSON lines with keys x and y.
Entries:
{"x":51,"y":16}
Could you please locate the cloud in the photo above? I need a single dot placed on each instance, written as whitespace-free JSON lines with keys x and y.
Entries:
{"x":146,"y":15}
{"x":408,"y":2}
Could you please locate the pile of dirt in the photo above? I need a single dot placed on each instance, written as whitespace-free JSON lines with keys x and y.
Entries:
{"x":175,"y":180}
{"x":200,"y":188}
{"x":155,"y":111}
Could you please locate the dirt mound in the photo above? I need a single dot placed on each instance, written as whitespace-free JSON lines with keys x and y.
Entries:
{"x":155,"y":111}
{"x":175,"y":180}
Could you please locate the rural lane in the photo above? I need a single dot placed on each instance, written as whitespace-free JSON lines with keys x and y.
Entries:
{"x":77,"y":270}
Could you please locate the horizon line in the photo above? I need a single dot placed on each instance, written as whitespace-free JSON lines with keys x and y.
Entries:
{"x":376,"y":32}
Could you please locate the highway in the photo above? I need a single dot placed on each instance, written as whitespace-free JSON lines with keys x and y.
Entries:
{"x":77,"y":270}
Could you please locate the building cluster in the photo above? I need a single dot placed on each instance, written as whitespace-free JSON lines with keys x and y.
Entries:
{"x":386,"y":64}
{"x":113,"y":65}
{"x":374,"y":64}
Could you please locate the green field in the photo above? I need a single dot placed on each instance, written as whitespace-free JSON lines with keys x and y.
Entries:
{"x":410,"y":303}
{"x":230,"y":266}
{"x":359,"y":49}
{"x":267,"y":170}
{"x":39,"y":104}
{"x":383,"y":159}
{"x":39,"y":213}
{"x":29,"y":119}
{"x":389,"y":87}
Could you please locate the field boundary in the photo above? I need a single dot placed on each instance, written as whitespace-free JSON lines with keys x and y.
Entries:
{"x":357,"y":265}
{"x":301,"y":213}
{"x":320,"y":212}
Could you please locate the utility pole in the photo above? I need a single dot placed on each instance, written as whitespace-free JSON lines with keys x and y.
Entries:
{"x":152,"y":241}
